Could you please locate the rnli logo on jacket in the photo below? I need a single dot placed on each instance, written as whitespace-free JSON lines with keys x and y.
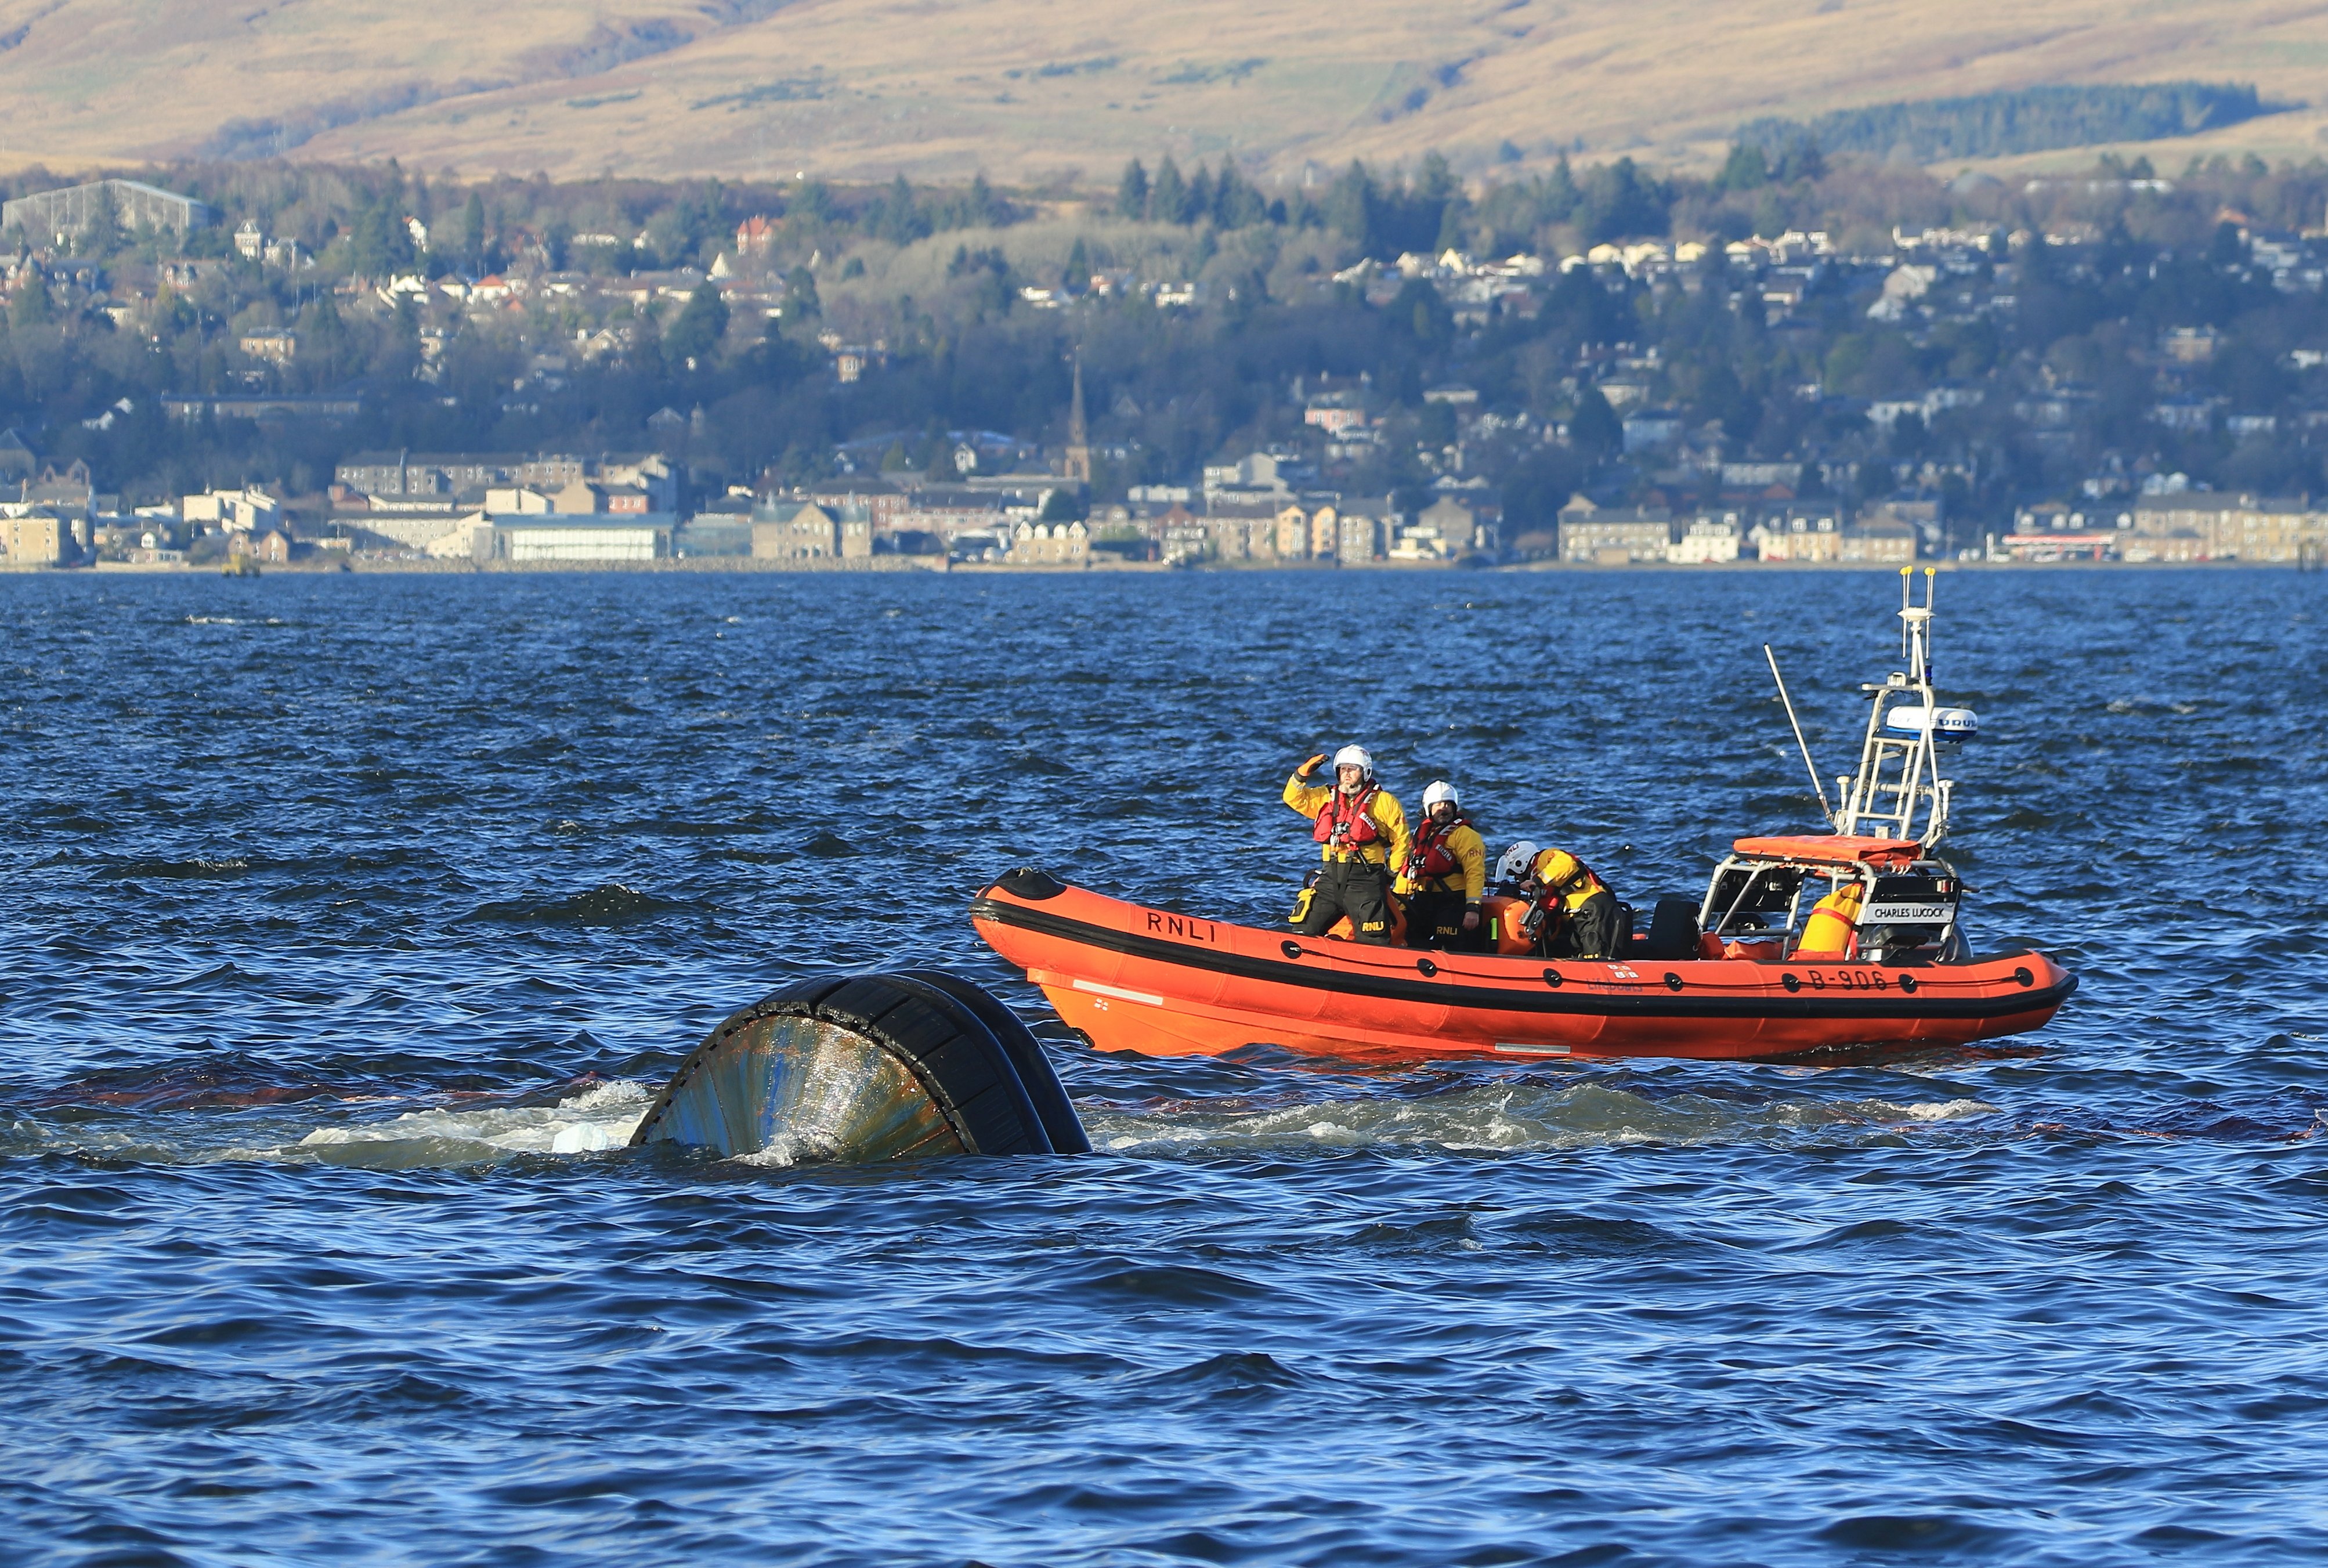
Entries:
{"x":1186,"y":929}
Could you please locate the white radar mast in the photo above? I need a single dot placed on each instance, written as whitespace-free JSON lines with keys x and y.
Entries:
{"x":1899,"y":793}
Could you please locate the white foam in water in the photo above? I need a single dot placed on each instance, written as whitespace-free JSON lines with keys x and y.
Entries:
{"x":601,"y":1117}
{"x":1507,"y":1119}
{"x":1938,"y":1110}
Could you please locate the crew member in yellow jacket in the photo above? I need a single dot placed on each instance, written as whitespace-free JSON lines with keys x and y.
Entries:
{"x":1574,"y":913}
{"x":1444,"y":874}
{"x":1361,"y":834}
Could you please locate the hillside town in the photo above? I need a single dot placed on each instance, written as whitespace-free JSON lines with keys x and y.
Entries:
{"x":708,"y":395}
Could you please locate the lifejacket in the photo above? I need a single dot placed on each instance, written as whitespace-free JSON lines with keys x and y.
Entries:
{"x":1427,"y":857}
{"x":1345,"y":822}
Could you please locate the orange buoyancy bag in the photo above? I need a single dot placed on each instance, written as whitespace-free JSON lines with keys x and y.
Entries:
{"x":1344,"y":821}
{"x":1430,"y":858}
{"x":1506,"y":921}
{"x":1834,"y":922}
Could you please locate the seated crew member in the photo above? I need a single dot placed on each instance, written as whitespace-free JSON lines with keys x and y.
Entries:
{"x":1445,"y":874}
{"x":1361,"y":835}
{"x":1574,"y":913}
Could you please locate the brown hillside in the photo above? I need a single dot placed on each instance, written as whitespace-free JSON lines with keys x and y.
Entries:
{"x":1036,"y":89}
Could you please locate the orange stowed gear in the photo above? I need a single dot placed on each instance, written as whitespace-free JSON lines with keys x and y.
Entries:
{"x":1506,"y":918}
{"x":1834,"y":925}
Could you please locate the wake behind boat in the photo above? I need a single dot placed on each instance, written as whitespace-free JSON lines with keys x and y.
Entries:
{"x":1880,"y":960}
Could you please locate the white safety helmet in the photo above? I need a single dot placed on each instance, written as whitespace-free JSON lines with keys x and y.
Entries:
{"x":1357,"y":757}
{"x":1518,"y":861}
{"x":1438,"y":790}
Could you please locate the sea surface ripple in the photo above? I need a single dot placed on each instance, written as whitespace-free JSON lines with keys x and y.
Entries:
{"x":353,"y":919}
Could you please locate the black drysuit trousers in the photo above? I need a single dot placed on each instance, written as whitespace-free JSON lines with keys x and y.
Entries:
{"x":1358,"y":889}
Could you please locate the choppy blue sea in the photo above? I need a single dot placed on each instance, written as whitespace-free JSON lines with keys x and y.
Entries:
{"x":350,"y":922}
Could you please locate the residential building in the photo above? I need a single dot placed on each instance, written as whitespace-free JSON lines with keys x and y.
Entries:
{"x":1230,"y":534}
{"x":1592,"y":534}
{"x":1420,"y":542}
{"x":1800,"y":539}
{"x":578,"y":498}
{"x":1920,"y":516}
{"x":1258,"y":474}
{"x":263,"y":406}
{"x":69,"y":489}
{"x":277,"y":348}
{"x":434,"y":479}
{"x":2266,"y":530}
{"x":794,"y":530}
{"x":231,"y":512}
{"x":520,"y":500}
{"x":2180,"y":547}
{"x":1325,"y":534}
{"x":1360,"y":540}
{"x":885,"y":503}
{"x":1705,"y":540}
{"x":1054,"y":544}
{"x":1649,"y":429}
{"x":2189,"y":345}
{"x":1893,"y":544}
{"x":2197,"y":525}
{"x":1239,"y":528}
{"x":1290,"y":536}
{"x":273,"y":547}
{"x":38,"y":538}
{"x":1180,"y":536}
{"x":1463,"y":525}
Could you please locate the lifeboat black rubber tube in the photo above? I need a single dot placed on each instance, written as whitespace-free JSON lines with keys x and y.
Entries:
{"x":1445,"y":991}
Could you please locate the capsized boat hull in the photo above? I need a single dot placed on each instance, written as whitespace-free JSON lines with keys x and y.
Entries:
{"x":1163,"y":985}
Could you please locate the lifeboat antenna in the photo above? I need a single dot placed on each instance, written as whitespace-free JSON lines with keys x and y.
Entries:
{"x":1799,"y":741}
{"x":1899,"y":763}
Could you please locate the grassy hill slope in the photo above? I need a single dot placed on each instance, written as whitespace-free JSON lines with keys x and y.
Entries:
{"x":1037,"y":90}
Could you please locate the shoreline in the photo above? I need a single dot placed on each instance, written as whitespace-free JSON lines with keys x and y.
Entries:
{"x":897,"y":565}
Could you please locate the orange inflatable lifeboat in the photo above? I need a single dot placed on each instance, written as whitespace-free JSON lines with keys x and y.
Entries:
{"x":1877,"y":958}
{"x":1162,"y":984}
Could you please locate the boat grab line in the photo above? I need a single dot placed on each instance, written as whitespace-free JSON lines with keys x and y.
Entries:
{"x":1649,"y":1001}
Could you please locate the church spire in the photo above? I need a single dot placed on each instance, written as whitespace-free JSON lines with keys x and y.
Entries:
{"x":1079,"y":464}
